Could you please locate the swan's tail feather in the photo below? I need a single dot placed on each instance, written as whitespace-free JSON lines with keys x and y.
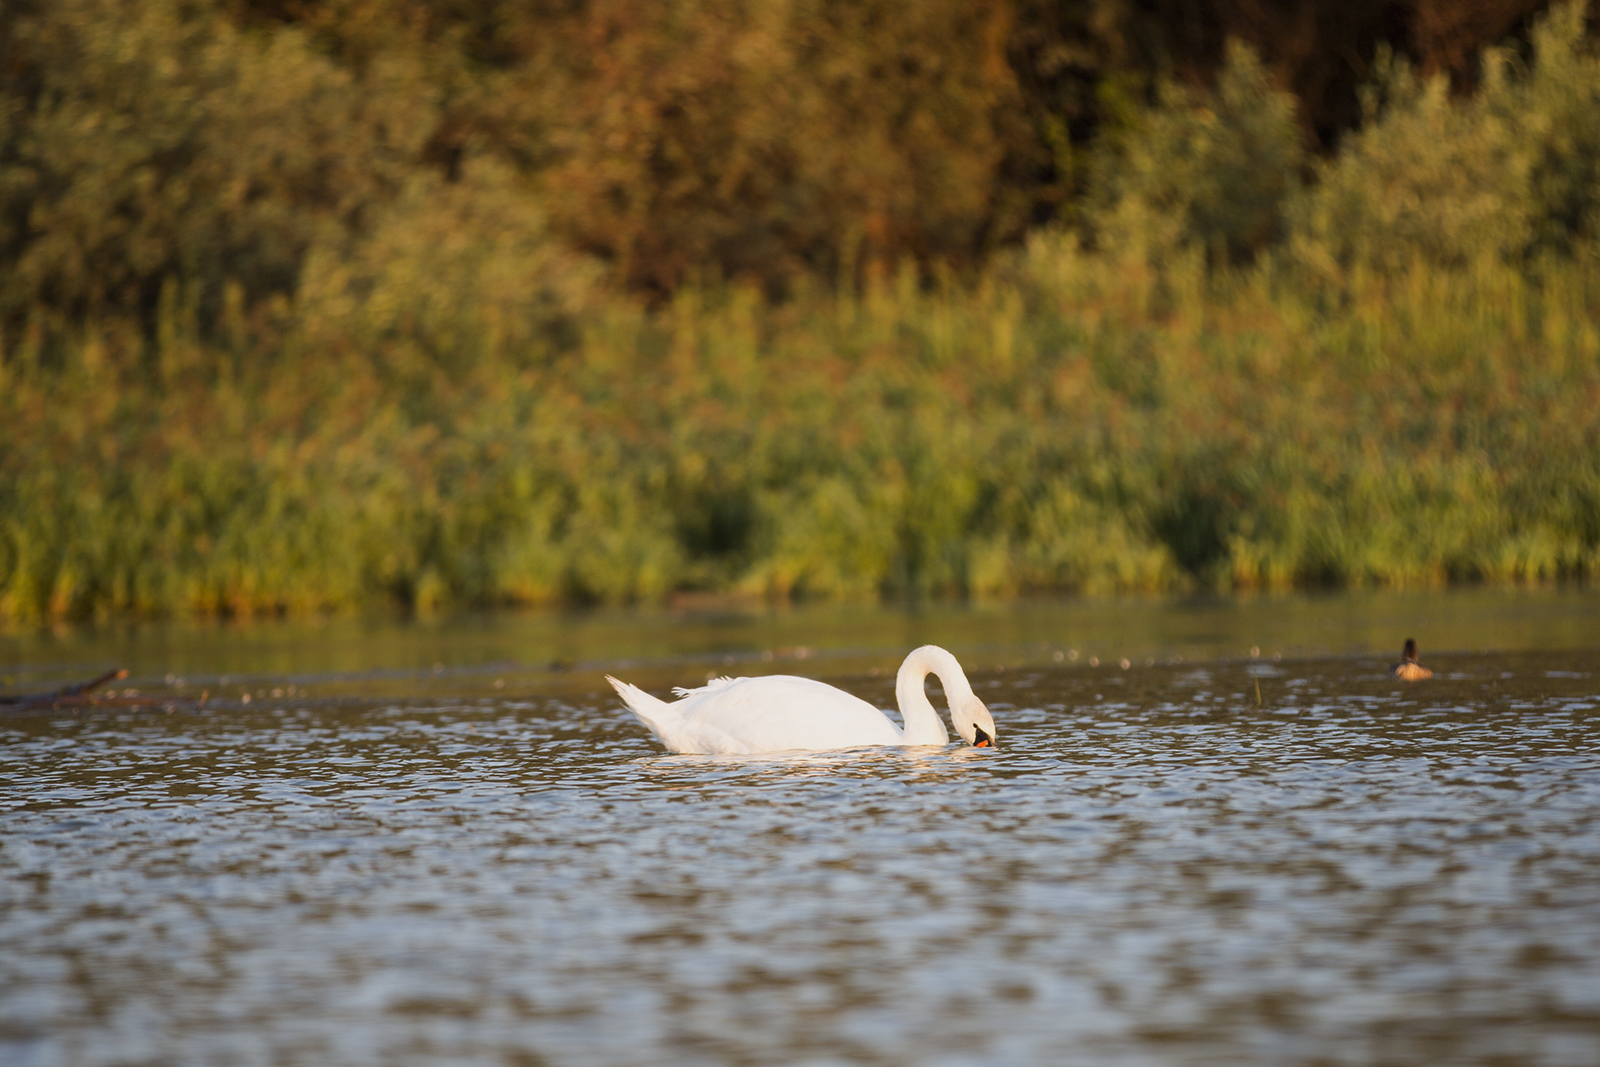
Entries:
{"x":646,"y":708}
{"x":636,"y":698}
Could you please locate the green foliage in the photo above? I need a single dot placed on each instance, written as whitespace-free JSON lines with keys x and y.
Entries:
{"x":448,"y":275}
{"x":151,"y":140}
{"x":984,"y":440}
{"x":1428,"y":177}
{"x":1447,"y":180}
{"x":303,"y":316}
{"x":769,"y":137}
{"x":1561,"y":96}
{"x":1212,"y":170}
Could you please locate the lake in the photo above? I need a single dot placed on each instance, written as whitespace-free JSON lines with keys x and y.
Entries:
{"x":1215,"y":832}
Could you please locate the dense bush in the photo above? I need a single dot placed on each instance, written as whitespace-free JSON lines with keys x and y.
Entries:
{"x":294,"y":322}
{"x":214,"y":142}
{"x":1430,"y":176}
{"x":1213,"y":170}
{"x":151,"y":142}
{"x":766,"y":138}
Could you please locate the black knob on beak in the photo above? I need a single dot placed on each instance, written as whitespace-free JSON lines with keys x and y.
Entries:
{"x":983,"y":740}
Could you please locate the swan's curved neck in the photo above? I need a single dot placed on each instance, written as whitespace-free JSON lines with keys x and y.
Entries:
{"x":922,"y":724}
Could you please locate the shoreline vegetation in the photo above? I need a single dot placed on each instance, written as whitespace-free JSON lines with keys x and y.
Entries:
{"x":1227,"y":363}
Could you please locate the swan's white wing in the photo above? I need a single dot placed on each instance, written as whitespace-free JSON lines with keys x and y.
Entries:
{"x":782,"y":712}
{"x":771,"y":714}
{"x":711,"y":683}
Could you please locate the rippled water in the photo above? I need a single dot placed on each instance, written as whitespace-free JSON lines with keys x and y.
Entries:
{"x":1162,"y":864}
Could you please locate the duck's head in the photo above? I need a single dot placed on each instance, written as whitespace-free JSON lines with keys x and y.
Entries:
{"x":972,"y":721}
{"x":1410,"y":653}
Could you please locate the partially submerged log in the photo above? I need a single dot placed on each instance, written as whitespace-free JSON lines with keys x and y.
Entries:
{"x":67,"y":696}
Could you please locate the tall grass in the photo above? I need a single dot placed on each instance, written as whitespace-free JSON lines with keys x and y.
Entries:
{"x":1065,"y":423}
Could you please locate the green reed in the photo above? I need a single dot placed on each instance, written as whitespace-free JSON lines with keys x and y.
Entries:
{"x":1067,"y":422}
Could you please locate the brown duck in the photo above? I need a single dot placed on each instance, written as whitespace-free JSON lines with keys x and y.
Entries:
{"x":1408,"y":669}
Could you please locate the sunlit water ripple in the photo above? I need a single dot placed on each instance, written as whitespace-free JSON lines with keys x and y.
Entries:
{"x":1152,"y":869}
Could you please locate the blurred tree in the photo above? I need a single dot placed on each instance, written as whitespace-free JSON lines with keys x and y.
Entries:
{"x":152,"y":140}
{"x":212,"y":143}
{"x":1448,"y":180}
{"x":1210,"y":170}
{"x":760,"y":138}
{"x":1322,"y":50}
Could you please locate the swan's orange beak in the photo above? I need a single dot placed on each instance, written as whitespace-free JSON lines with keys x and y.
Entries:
{"x":983,"y":740}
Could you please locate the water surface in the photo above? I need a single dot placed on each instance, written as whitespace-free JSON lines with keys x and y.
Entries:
{"x":1190,"y":859}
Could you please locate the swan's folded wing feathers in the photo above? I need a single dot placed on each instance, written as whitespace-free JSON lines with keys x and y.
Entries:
{"x":780,"y":712}
{"x":711,"y":684}
{"x":773,"y":713}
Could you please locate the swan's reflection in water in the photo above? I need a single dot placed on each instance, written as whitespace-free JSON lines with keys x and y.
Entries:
{"x":1154,"y":868}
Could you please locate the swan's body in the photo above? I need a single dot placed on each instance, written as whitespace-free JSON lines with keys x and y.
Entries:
{"x":780,"y":712}
{"x":1408,"y":669}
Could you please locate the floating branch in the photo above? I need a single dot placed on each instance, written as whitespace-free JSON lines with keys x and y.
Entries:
{"x":82,"y":693}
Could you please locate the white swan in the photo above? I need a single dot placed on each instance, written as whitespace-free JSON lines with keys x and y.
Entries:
{"x":781,"y":712}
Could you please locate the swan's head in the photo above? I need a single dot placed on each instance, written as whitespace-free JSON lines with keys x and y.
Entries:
{"x":972,"y":721}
